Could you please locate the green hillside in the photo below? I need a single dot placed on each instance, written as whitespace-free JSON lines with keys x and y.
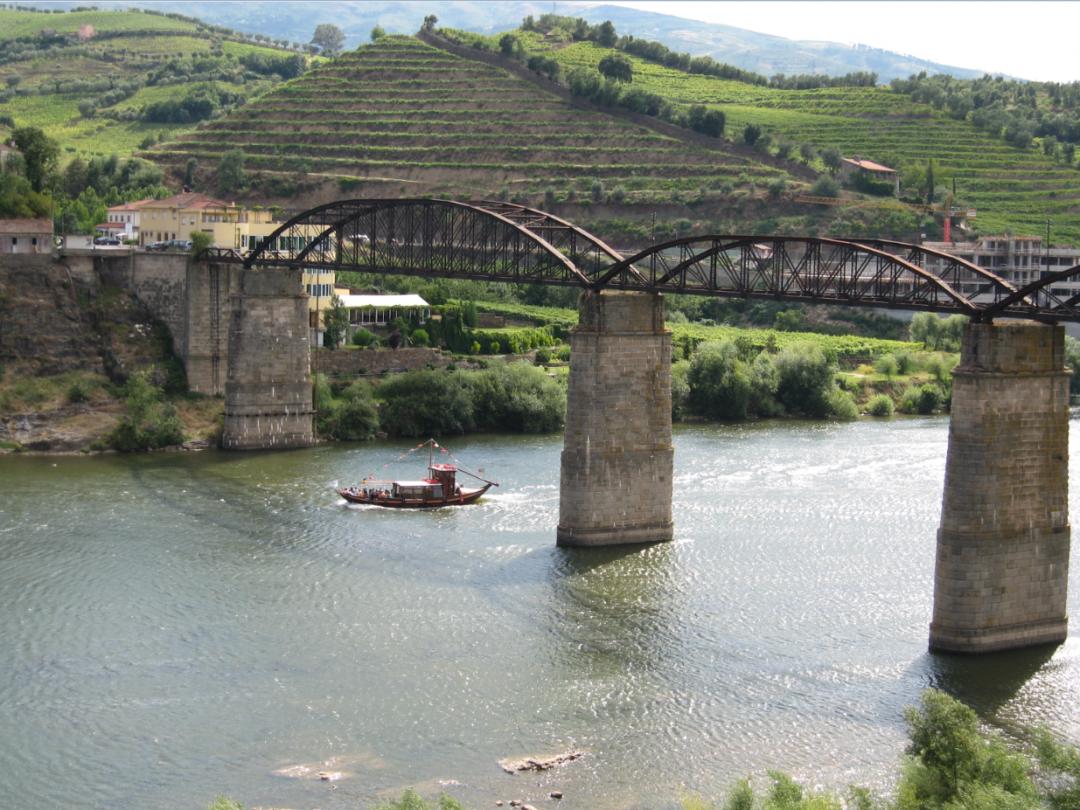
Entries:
{"x":87,"y":78}
{"x":1013,"y":189}
{"x":401,"y":117}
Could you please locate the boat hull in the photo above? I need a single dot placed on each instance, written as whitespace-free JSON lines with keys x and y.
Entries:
{"x":463,"y":498}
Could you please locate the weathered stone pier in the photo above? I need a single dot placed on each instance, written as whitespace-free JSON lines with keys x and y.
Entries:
{"x":1003,"y":546}
{"x":268,"y":387}
{"x":615,"y":485}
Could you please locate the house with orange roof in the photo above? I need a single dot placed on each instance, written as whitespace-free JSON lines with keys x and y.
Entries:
{"x":853,"y":167}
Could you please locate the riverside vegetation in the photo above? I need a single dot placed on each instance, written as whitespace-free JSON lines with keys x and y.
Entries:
{"x":951,"y":763}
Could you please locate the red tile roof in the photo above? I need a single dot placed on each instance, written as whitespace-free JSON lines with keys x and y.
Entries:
{"x":188,"y":199}
{"x":21,"y":226}
{"x":869,"y":165}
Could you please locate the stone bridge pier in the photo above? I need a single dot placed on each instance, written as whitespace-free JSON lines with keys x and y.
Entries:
{"x":268,"y":387}
{"x":615,"y":482}
{"x":1003,"y":547}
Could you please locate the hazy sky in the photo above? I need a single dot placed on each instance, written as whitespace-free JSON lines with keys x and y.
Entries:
{"x":1030,"y":40}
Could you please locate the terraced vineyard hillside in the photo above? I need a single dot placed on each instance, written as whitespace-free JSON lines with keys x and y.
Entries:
{"x":1014,"y":190}
{"x":399,"y":117}
{"x":85,"y":76}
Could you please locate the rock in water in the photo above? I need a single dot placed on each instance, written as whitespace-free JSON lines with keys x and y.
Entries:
{"x":538,"y":763}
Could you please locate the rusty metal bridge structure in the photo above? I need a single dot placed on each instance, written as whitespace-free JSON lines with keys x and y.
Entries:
{"x":505,"y":242}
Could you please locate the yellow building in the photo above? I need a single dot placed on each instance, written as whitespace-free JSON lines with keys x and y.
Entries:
{"x":228,"y":224}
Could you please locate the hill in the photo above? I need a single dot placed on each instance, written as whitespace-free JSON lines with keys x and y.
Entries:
{"x":763,"y":53}
{"x":1014,"y":188}
{"x":399,"y":117}
{"x":103,"y":82}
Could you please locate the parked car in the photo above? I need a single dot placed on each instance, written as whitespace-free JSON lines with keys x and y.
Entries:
{"x":111,"y":241}
{"x":170,"y":244}
{"x":156,"y":245}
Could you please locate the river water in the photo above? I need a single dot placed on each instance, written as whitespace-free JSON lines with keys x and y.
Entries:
{"x":176,"y":626}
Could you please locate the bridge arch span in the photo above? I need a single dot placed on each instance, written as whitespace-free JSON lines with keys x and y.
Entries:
{"x":494,"y":241}
{"x":797,"y":268}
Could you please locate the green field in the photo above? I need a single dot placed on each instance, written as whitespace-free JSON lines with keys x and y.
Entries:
{"x":400,"y":111}
{"x":48,"y":69}
{"x":1013,"y":190}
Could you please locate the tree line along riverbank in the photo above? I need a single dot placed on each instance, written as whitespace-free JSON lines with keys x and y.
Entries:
{"x":718,"y":374}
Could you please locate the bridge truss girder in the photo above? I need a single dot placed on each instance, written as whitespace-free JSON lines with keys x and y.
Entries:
{"x":507,"y":242}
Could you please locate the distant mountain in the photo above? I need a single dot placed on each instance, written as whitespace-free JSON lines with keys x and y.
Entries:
{"x":765,"y":53}
{"x":295,"y":21}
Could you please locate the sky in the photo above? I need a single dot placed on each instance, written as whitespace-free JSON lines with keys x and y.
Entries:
{"x":1029,"y":40}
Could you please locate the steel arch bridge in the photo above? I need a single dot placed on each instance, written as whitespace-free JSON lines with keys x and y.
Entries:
{"x":506,"y":242}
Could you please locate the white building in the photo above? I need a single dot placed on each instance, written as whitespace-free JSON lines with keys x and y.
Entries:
{"x":1017,"y":259}
{"x":378,"y":310}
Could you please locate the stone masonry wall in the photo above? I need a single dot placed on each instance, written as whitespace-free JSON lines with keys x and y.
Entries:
{"x":375,"y":361}
{"x":268,"y":389}
{"x":1003,"y":547}
{"x":617,"y":454}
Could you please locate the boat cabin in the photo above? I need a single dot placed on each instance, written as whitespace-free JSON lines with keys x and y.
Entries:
{"x":440,"y":484}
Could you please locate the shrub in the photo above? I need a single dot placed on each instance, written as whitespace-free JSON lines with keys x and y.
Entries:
{"x":719,"y":382}
{"x":150,"y":422}
{"x":419,"y":337}
{"x":825,"y":186}
{"x":751,"y":134}
{"x":805,"y":379}
{"x":880,"y":405}
{"x":886,"y":366}
{"x":353,"y":417}
{"x":842,"y":404}
{"x":542,"y":357}
{"x":517,"y":397}
{"x":563,"y":353}
{"x":362,"y":337}
{"x":764,"y":382}
{"x":79,"y":391}
{"x":426,"y":403}
{"x":680,"y":389}
{"x":930,"y":398}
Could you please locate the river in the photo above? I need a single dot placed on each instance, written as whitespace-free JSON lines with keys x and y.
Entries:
{"x":176,"y":626}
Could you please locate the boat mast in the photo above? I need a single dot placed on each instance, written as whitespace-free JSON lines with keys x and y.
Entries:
{"x":430,"y":453}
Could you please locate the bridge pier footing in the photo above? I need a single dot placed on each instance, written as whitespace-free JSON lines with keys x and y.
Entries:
{"x":268,"y":387}
{"x":615,"y":482}
{"x":1002,"y":567}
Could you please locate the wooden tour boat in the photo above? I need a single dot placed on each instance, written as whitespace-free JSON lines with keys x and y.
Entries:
{"x":440,"y":488}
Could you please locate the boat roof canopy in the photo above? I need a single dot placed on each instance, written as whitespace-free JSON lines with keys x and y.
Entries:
{"x":445,"y":467}
{"x":426,"y":483}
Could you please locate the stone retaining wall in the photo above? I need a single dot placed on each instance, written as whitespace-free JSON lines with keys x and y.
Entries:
{"x":352,"y":362}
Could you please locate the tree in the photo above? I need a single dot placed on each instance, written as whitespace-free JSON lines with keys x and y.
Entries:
{"x":328,"y":37}
{"x":605,"y":34}
{"x":189,"y":172}
{"x":200,"y":242}
{"x":508,"y":45}
{"x":231,"y":175}
{"x":708,"y":122}
{"x":719,"y":382}
{"x":39,"y":151}
{"x":19,"y":201}
{"x":830,"y":156}
{"x":335,"y":322}
{"x":377,"y":33}
{"x":430,"y":21}
{"x":806,"y":379}
{"x":616,"y":66}
{"x":751,"y":134}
